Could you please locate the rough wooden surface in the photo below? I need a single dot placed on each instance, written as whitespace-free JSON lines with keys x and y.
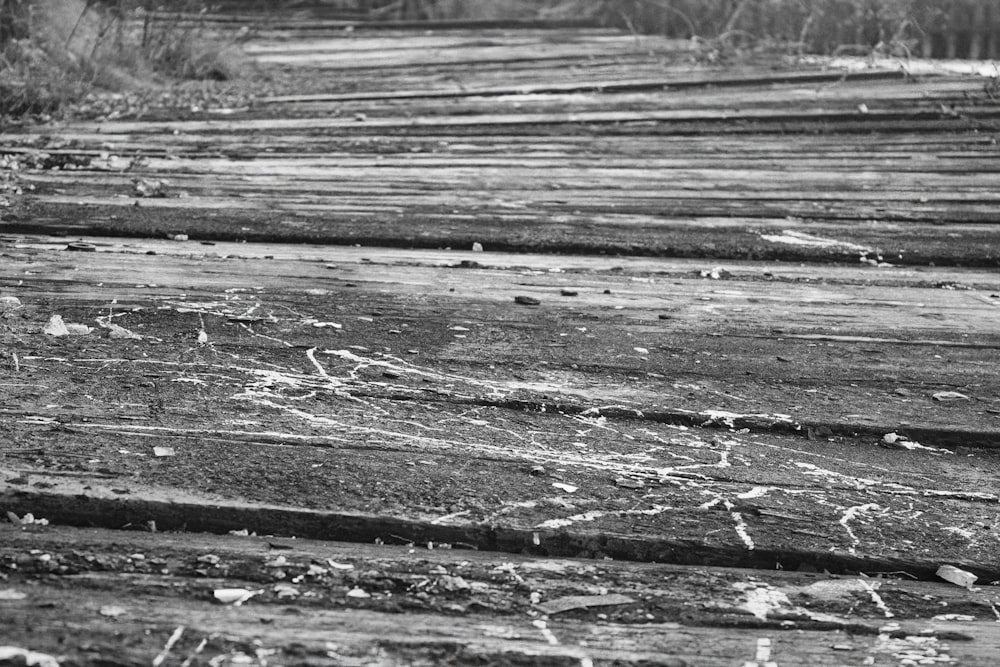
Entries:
{"x":90,"y":588}
{"x":763,"y":336}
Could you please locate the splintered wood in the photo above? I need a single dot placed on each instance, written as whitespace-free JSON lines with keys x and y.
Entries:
{"x":674,"y":347}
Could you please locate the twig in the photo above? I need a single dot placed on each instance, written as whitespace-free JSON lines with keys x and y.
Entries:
{"x":79,"y":20}
{"x":158,"y":660}
{"x":734,"y":17}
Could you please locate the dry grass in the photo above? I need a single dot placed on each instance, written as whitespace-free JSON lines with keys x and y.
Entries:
{"x":816,"y":26}
{"x":55,"y":51}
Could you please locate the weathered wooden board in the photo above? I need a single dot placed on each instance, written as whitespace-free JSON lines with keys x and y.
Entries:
{"x":340,"y":394}
{"x":76,"y":593}
{"x":841,"y":414}
{"x":756,"y":164}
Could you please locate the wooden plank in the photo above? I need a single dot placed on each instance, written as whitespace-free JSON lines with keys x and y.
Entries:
{"x":577,"y":386}
{"x":839,"y":415}
{"x":458,"y":605}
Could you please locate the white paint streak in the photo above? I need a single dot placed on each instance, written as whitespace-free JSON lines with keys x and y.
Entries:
{"x":872,"y":588}
{"x":809,"y":240}
{"x":852,"y":513}
{"x":569,"y":521}
{"x":543,"y":627}
{"x":763,"y":649}
{"x":741,"y":526}
{"x":816,"y":471}
{"x":761,"y":599}
{"x":741,"y":530}
{"x":757,"y":492}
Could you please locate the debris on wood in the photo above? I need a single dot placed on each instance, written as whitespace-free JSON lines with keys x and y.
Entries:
{"x":944,"y":396}
{"x":896,"y":441}
{"x":11,"y":594}
{"x":537,"y":471}
{"x":149,"y":187}
{"x":57,"y":327}
{"x":957,"y":576}
{"x":112,"y":611}
{"x":120,"y":332}
{"x":277,"y":561}
{"x":164,"y":451}
{"x":339,"y":566}
{"x":9,"y":303}
{"x":286,"y":591}
{"x":234,"y":596}
{"x":527,"y":300}
{"x":358,"y":593}
{"x":568,"y":488}
{"x":26,"y":520}
{"x":12,"y":655}
{"x":477,"y":247}
{"x":629,"y":483}
{"x":717,"y":273}
{"x":964,"y":618}
{"x":568,"y":292}
{"x":570,"y":602}
{"x":452,"y":584}
{"x":168,"y":646}
{"x":81,"y":246}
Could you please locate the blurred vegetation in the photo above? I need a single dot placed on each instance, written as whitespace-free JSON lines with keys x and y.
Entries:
{"x":902,"y":27}
{"x":52,"y":51}
{"x":55,"y":51}
{"x":952,"y":28}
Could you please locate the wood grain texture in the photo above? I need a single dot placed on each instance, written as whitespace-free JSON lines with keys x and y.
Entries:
{"x":723,"y":316}
{"x":457,"y":607}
